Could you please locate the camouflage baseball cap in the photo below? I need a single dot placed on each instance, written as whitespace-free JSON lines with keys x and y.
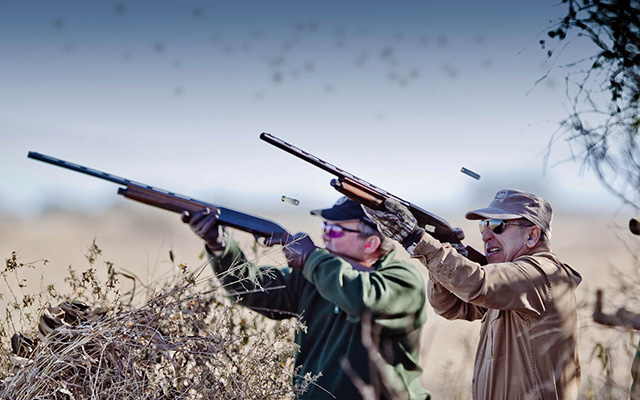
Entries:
{"x":514,"y":204}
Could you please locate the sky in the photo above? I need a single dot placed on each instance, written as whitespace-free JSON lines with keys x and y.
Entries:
{"x":175,"y":94}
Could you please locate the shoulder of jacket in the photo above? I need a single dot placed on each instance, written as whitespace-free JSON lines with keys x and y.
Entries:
{"x":540,"y":258}
{"x":397,"y":264}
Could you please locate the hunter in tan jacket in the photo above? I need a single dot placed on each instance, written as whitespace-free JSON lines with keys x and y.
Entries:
{"x":525,"y":296}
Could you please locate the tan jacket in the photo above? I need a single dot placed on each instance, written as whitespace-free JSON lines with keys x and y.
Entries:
{"x":528,"y":345}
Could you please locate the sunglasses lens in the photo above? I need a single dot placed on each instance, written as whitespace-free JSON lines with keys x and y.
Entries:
{"x":483,"y":225}
{"x":496,"y":225}
{"x":333,"y":231}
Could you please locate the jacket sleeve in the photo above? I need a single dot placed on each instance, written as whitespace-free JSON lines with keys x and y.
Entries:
{"x":393,"y":294}
{"x":521,"y":285}
{"x":448,"y":305}
{"x":267,"y":290}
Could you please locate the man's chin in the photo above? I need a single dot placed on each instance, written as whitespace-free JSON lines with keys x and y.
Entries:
{"x":494,"y":257}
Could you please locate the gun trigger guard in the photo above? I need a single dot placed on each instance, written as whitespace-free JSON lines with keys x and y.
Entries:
{"x":260,"y":240}
{"x":263,"y":242}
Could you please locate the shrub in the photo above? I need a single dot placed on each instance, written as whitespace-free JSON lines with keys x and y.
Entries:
{"x":185,"y":341}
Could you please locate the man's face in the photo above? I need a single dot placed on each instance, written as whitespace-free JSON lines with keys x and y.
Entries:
{"x":509,"y":244}
{"x":345,"y":243}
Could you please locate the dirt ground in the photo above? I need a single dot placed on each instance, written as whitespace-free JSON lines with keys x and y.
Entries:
{"x":142,"y":240}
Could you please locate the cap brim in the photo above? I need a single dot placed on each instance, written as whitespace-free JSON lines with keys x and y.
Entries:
{"x":331,"y":214}
{"x":491,"y":213}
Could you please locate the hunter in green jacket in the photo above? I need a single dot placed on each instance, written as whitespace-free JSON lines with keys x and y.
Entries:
{"x":334,"y":291}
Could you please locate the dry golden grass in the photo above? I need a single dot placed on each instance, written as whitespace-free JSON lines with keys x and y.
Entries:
{"x":150,"y":244}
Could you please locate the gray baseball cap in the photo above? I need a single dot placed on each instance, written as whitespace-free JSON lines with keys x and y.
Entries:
{"x":514,"y":204}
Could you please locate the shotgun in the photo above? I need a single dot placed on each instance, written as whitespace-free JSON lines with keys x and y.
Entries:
{"x":373,"y":197}
{"x":268,"y":231}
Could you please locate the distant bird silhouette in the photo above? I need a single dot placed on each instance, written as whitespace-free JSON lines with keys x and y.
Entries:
{"x":397,"y":57}
{"x":58,"y":23}
{"x":119,"y":9}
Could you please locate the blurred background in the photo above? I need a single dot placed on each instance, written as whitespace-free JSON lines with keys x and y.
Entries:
{"x":176,"y":93}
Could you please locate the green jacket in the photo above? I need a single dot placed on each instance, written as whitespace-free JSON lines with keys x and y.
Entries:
{"x":332,"y":298}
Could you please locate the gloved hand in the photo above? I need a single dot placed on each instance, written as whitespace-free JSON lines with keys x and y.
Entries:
{"x":396,"y":222}
{"x":205,"y":224}
{"x":298,"y":249}
{"x":461,"y":249}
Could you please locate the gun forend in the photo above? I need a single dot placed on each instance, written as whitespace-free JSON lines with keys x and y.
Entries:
{"x":140,"y":192}
{"x":257,"y":226}
{"x":358,"y":193}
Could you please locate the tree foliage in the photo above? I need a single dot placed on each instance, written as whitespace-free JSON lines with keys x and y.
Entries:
{"x":604,"y":90}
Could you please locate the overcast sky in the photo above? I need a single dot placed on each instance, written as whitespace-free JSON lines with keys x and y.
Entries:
{"x":175,"y":94}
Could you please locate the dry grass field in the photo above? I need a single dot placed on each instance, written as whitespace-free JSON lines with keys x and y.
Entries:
{"x":143,"y":241}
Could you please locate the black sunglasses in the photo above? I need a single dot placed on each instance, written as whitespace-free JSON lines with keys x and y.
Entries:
{"x":497,"y":226}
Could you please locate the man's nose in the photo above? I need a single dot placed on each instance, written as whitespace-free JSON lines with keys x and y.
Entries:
{"x":487,"y":234}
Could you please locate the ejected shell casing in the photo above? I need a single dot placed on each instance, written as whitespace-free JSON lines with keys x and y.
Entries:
{"x":470,"y":173}
{"x":293,"y":201}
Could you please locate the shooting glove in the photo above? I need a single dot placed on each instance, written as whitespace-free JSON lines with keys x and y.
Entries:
{"x":205,"y":224}
{"x":298,"y":250}
{"x":396,"y":222}
{"x":461,"y":249}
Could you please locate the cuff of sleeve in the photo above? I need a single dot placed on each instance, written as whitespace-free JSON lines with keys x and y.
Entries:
{"x":213,"y":253}
{"x":230,"y":246}
{"x":422,"y":246}
{"x":413,"y":239}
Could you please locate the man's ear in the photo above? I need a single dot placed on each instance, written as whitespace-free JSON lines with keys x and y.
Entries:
{"x":533,"y":236}
{"x":372,"y":244}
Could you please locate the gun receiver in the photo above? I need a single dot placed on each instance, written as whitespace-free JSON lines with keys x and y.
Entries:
{"x":258,"y":227}
{"x":373,"y":197}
